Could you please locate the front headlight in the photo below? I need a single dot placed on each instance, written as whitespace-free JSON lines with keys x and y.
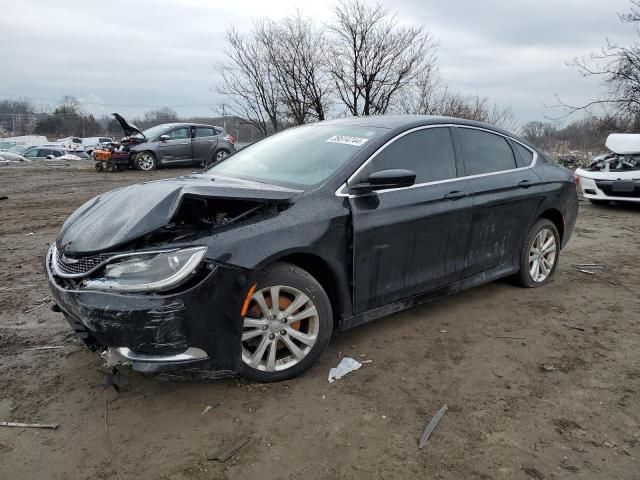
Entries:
{"x":148,"y":271}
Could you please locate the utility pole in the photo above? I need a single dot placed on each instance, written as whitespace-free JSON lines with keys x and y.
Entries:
{"x":224,"y":117}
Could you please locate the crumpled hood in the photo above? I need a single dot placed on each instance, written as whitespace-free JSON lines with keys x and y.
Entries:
{"x":128,"y":128}
{"x":115,"y":218}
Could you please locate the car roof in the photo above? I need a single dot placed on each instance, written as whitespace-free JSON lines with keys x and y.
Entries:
{"x":171,"y":125}
{"x":409,"y":121}
{"x":398,"y":123}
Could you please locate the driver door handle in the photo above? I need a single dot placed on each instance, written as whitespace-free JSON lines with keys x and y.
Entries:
{"x":456,"y":195}
{"x":524,"y":184}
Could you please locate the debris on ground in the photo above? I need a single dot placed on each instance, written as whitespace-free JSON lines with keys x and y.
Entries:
{"x":346,"y":365}
{"x":29,"y":425}
{"x":431,"y":426}
{"x":548,"y":367}
{"x":106,"y":434}
{"x":4,"y":197}
{"x":43,"y":302}
{"x":229,"y":448}
{"x":574,"y":327}
{"x":210,"y":407}
{"x":590,"y":268}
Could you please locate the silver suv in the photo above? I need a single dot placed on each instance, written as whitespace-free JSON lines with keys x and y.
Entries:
{"x":175,"y":144}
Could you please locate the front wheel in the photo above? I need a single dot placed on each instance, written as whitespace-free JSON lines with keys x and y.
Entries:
{"x":287,"y":325}
{"x":539,"y":255}
{"x":145,"y":161}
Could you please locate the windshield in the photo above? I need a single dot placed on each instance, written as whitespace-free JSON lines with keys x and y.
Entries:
{"x":149,"y":133}
{"x":303,"y":156}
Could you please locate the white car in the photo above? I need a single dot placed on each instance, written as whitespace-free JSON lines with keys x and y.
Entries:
{"x":73,"y":144}
{"x":615,"y":176}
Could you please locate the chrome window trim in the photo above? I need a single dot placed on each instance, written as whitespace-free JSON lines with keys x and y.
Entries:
{"x":341,"y":191}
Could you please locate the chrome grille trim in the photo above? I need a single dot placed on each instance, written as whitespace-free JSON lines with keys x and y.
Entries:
{"x":77,"y":267}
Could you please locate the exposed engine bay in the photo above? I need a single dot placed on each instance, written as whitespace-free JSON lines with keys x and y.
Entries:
{"x":614,"y":162}
{"x":207,"y":214}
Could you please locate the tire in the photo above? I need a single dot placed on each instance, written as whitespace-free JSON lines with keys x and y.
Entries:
{"x":99,"y":166}
{"x":265,"y":328}
{"x":217,"y":157}
{"x":600,"y":202}
{"x":111,"y":168}
{"x":145,"y":161}
{"x":536,"y":237}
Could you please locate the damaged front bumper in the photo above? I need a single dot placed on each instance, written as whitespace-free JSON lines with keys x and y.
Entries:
{"x":144,"y":362}
{"x":199,"y":327}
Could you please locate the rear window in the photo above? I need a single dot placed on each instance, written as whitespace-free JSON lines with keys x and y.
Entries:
{"x":204,"y":132}
{"x":524,"y":155}
{"x":485,"y":152}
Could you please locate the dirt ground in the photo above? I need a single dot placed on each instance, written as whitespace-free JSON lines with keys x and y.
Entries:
{"x":540,"y":384}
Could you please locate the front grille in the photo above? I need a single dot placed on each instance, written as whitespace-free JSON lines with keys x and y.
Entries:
{"x":67,"y":266}
{"x":609,"y":187}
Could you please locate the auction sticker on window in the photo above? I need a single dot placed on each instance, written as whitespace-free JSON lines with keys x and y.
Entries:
{"x":347,"y":140}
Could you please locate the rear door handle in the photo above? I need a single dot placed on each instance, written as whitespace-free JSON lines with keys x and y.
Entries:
{"x":456,"y":195}
{"x":524,"y":184}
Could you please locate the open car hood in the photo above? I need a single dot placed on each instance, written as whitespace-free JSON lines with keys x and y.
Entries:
{"x":115,"y":218}
{"x":128,"y":128}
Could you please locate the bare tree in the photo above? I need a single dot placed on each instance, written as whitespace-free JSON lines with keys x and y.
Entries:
{"x":297,"y":51}
{"x":159,"y":115}
{"x":619,"y":68}
{"x":427,"y":94}
{"x":249,"y":82}
{"x":372,"y":58}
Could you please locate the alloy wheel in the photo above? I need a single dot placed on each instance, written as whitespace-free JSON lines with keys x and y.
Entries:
{"x":221,"y":154}
{"x":145,"y":162}
{"x":280,"y":329}
{"x":542,"y":255}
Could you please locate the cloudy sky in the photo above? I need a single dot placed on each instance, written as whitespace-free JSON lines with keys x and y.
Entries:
{"x":128,"y":56}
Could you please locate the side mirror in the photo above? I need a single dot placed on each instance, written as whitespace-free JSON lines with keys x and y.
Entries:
{"x":164,"y":138}
{"x":383,"y":179}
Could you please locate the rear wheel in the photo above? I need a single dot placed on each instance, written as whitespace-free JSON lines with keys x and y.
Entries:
{"x":287,"y":325}
{"x":539,"y":255}
{"x":99,"y":166}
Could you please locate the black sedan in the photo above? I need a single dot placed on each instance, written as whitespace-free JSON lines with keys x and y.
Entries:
{"x":250,"y":266}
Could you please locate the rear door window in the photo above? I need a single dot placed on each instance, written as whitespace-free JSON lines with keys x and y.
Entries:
{"x":524,"y":156}
{"x":205,"y":132}
{"x":427,"y":152}
{"x":484,"y":152}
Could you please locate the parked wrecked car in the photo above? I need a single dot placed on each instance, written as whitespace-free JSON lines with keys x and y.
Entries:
{"x":614,"y":176}
{"x":175,"y":144}
{"x":11,"y":157}
{"x":44,"y":153}
{"x":250,"y":266}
